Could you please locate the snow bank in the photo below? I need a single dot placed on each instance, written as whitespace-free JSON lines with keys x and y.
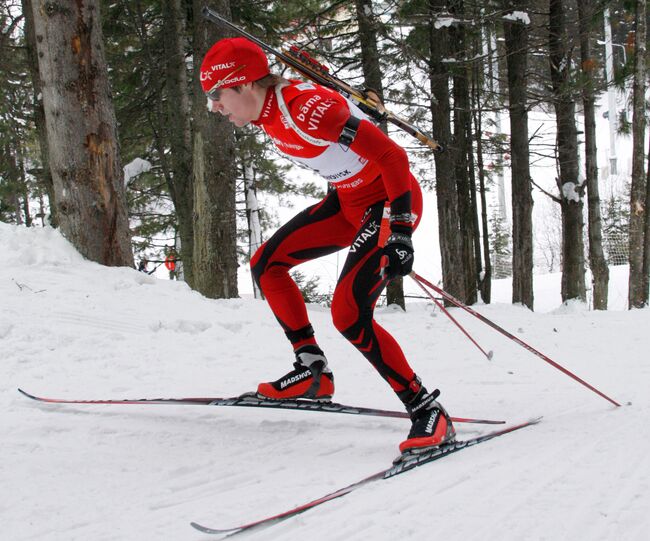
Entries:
{"x":77,"y":329}
{"x":23,"y":246}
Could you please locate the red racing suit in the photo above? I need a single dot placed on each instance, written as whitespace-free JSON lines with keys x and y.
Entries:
{"x":371,"y":179}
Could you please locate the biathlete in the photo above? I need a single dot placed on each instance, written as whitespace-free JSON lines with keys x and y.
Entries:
{"x":319,"y":128}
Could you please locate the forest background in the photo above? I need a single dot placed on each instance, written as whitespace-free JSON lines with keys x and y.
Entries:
{"x":104,"y":133}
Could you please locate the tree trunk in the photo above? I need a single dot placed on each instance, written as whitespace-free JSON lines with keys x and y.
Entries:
{"x":476,"y":231}
{"x":248,"y":168}
{"x":646,"y":252}
{"x":516,"y":38}
{"x":12,"y":178}
{"x":485,"y":281}
{"x":23,"y":183}
{"x":215,"y":177}
{"x":368,"y":43}
{"x":571,"y":191}
{"x":598,"y":263}
{"x":179,"y":129}
{"x":252,"y":217}
{"x":16,"y":203}
{"x":461,"y":148}
{"x":82,"y":130}
{"x":638,"y":287}
{"x":45,"y":176}
{"x":447,"y":197}
{"x":171,"y":117}
{"x":373,"y":79}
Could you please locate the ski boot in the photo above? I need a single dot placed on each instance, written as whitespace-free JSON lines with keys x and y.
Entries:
{"x":310,"y":379}
{"x":431,"y":426}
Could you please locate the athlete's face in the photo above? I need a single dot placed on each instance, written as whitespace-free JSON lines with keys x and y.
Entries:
{"x":240,"y":106}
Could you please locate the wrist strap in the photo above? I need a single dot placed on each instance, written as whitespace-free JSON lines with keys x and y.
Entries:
{"x":402,"y":222}
{"x":400,"y":238}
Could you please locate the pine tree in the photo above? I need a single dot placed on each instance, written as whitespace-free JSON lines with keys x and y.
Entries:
{"x":135,"y":53}
{"x":82,"y":131}
{"x":517,"y":42}
{"x":569,"y":185}
{"x":638,"y":283}
{"x":597,"y":261}
{"x":214,"y":179}
{"x":17,"y":186}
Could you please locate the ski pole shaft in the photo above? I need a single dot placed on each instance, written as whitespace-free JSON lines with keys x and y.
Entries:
{"x":446,"y":312}
{"x":512,"y":337}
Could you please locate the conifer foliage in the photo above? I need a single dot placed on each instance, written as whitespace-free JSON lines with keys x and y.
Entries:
{"x":471,"y":73}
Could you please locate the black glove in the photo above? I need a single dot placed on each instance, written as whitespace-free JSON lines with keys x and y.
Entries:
{"x":397,"y":259}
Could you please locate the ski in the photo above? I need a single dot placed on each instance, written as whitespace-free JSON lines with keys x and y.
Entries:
{"x":403,"y":464}
{"x":251,"y":400}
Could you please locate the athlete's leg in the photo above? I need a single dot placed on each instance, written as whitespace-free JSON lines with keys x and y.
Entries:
{"x":355,"y":297}
{"x":316,"y":231}
{"x":356,"y":294}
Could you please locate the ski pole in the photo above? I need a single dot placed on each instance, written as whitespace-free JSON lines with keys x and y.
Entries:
{"x":512,"y":337}
{"x":446,"y":312}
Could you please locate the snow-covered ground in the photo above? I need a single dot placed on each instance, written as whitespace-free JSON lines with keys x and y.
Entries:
{"x":70,"y":328}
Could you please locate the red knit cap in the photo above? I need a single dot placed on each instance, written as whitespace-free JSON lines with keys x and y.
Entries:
{"x":232,"y":62}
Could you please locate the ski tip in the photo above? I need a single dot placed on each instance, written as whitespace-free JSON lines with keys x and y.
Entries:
{"x":205,"y":529}
{"x":198,"y":527}
{"x":24,"y":393}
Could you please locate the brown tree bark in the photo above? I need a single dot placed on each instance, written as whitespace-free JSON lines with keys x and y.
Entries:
{"x":597,"y":260}
{"x":179,"y":130}
{"x":516,"y":38}
{"x":461,"y":147}
{"x":447,"y":196}
{"x":82,"y":130}
{"x":215,"y":176}
{"x":646,"y":252}
{"x":485,"y":281}
{"x":45,"y":176}
{"x":638,"y":285}
{"x":571,"y":191}
{"x":373,"y":80}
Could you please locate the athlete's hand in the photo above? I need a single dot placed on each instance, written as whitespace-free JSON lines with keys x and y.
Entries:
{"x":397,"y":259}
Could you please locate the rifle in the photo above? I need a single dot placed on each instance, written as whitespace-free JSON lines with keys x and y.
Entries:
{"x":303,"y":63}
